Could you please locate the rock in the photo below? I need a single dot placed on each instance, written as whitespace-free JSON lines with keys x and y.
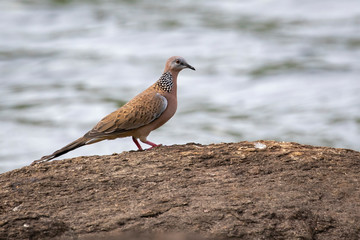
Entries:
{"x":246,"y":190}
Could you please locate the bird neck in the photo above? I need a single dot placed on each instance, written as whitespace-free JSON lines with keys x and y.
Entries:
{"x":167,"y":82}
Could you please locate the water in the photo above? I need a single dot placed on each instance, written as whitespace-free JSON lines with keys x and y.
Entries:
{"x":286,"y":70}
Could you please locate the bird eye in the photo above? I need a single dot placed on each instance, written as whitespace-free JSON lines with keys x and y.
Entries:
{"x":177,"y":61}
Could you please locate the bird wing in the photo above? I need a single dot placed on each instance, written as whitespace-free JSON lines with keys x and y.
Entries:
{"x":140,"y":111}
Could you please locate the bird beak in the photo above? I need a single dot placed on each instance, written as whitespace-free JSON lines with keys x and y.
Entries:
{"x":189,"y":66}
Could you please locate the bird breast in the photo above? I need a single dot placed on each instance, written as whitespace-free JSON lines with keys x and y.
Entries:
{"x":169,"y":111}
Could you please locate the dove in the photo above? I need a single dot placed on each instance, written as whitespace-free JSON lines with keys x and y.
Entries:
{"x":144,"y":113}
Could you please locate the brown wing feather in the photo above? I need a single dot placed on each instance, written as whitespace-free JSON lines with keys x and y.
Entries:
{"x":138,"y":112}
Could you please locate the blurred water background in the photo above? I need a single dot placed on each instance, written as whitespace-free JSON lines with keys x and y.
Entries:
{"x":287,"y":70}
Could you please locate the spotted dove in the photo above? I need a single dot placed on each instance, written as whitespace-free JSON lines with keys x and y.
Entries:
{"x":137,"y":118}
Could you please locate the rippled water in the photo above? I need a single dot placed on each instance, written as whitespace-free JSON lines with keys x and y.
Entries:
{"x":287,"y":70}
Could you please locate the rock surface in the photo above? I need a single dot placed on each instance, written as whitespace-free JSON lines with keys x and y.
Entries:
{"x":246,"y":190}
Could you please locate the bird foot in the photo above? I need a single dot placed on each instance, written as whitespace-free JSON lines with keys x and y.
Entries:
{"x":137,"y":144}
{"x":152,"y":144}
{"x":156,"y":145}
{"x":147,"y":142}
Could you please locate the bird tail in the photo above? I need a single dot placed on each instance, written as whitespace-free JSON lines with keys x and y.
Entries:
{"x":71,"y":146}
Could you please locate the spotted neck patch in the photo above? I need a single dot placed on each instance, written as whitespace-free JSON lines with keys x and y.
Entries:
{"x":165,"y":83}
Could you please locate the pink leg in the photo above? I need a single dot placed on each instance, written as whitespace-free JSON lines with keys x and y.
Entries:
{"x":152,"y":144}
{"x":137,"y":143}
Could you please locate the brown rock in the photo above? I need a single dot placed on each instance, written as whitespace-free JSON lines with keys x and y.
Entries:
{"x":220,"y":191}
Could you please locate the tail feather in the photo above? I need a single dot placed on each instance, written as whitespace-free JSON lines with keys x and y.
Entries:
{"x":71,"y":146}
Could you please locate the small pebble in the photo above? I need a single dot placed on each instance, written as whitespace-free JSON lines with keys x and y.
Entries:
{"x":259,"y":145}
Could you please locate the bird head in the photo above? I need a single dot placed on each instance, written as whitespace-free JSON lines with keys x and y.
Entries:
{"x":176,"y":64}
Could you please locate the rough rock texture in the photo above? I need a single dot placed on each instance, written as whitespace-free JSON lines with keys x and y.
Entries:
{"x":221,"y":191}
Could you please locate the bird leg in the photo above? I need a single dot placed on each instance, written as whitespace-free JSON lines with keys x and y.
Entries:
{"x":152,"y":144}
{"x":137,"y":143}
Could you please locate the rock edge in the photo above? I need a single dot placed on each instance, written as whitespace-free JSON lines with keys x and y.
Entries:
{"x":245,"y":190}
